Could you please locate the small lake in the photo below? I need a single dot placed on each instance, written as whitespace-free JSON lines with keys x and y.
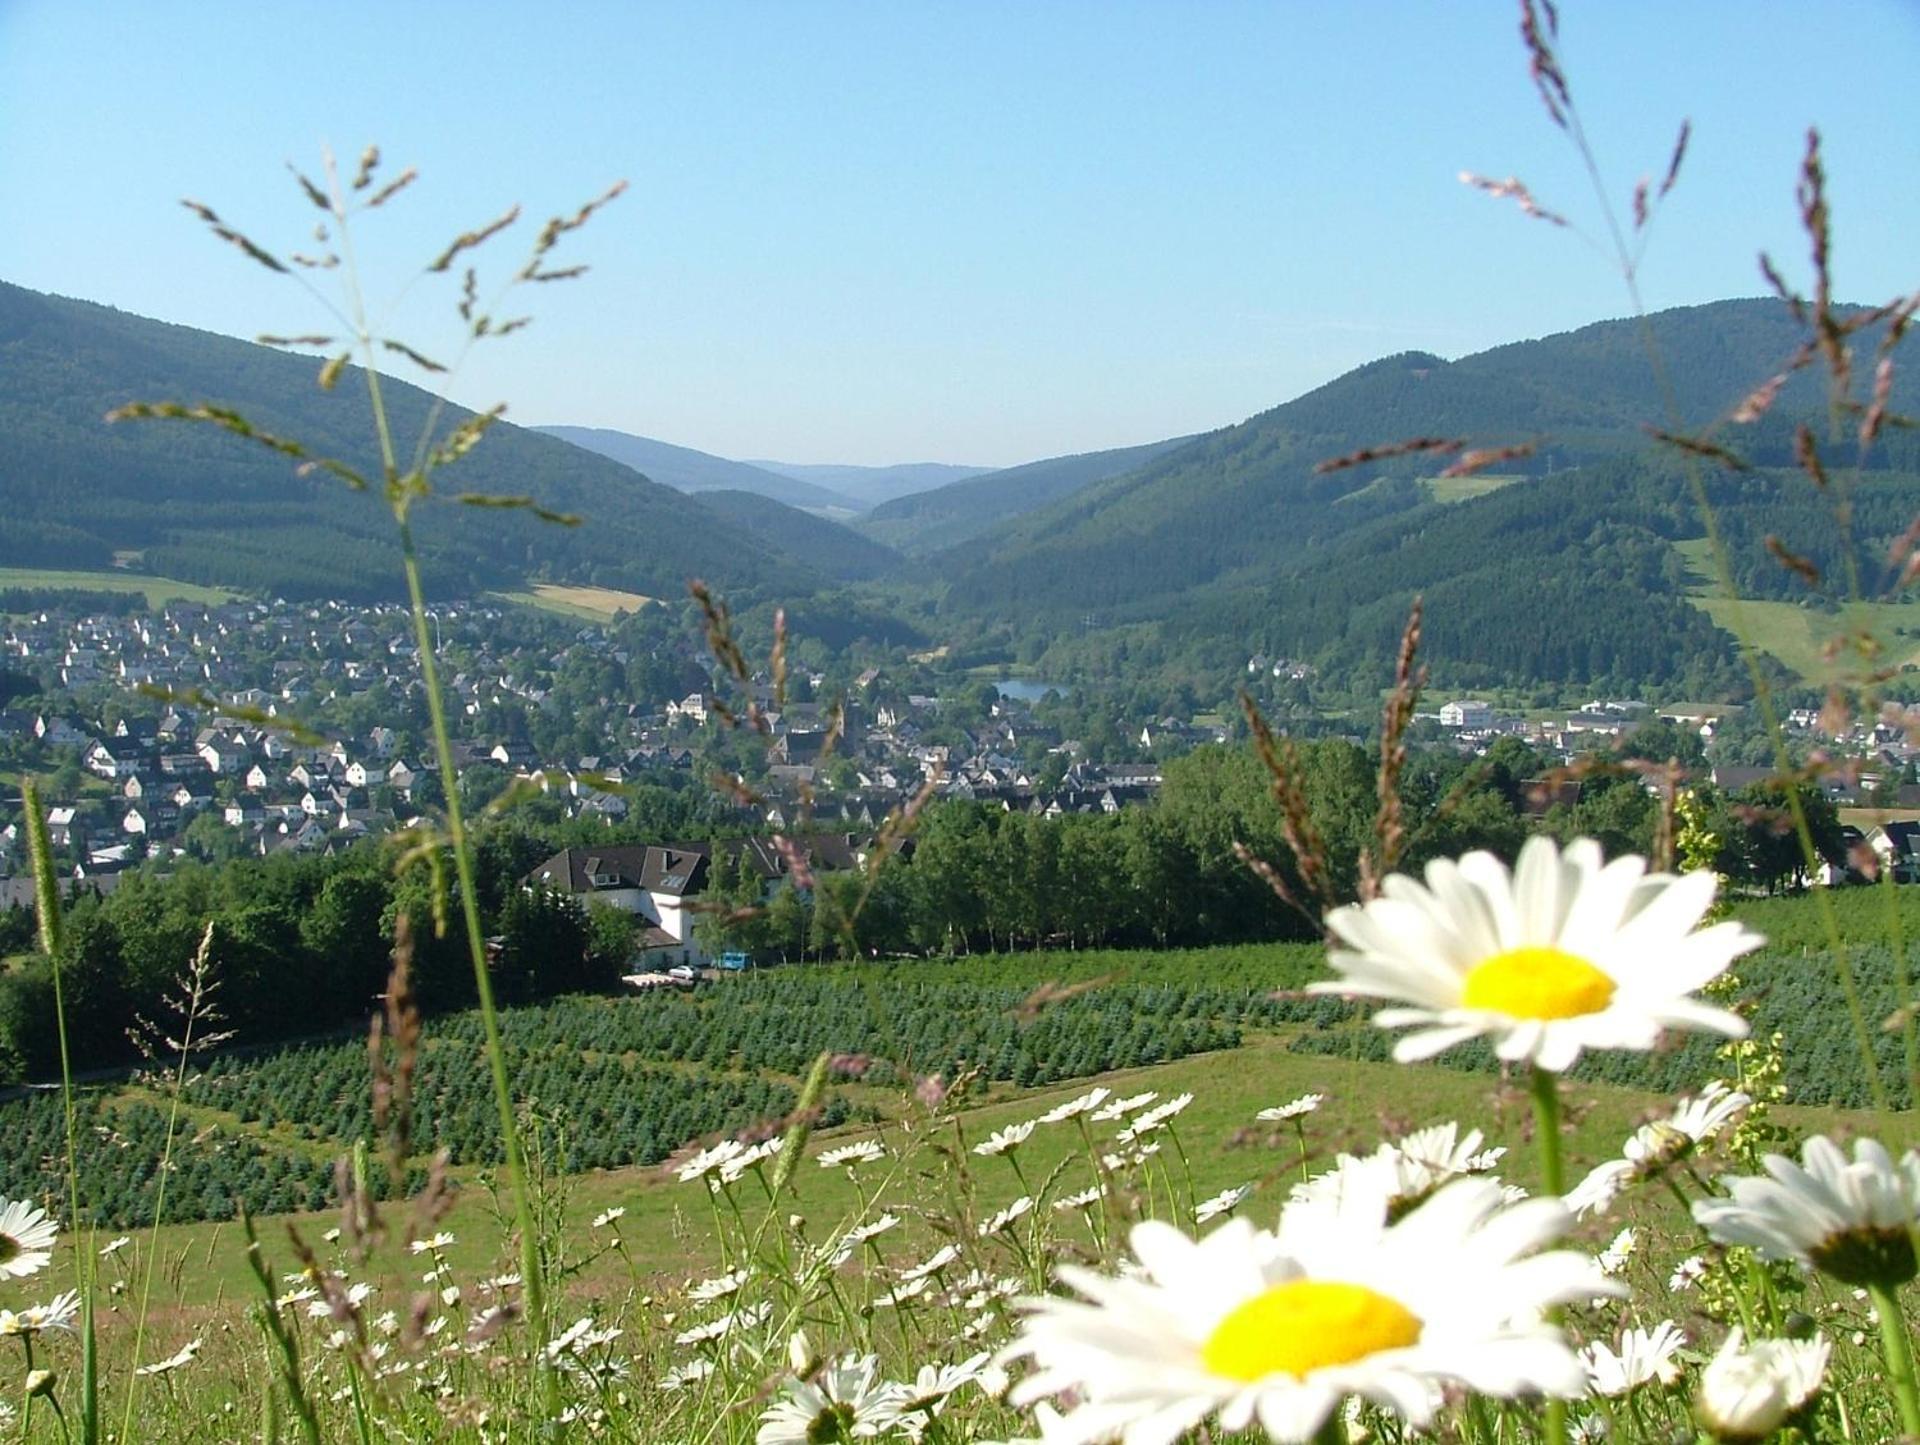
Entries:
{"x":1026,"y":689}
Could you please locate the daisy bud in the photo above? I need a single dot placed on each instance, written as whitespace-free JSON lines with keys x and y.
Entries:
{"x":800,"y":1354}
{"x":40,"y":1382}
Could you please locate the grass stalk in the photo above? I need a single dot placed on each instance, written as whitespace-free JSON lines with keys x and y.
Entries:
{"x":1897,"y":1345}
{"x":1553,"y":1179}
{"x":47,"y":898}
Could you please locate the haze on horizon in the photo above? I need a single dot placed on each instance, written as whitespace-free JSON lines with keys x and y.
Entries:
{"x":963,"y":233}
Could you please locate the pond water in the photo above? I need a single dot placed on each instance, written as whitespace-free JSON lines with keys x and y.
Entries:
{"x":1027,"y":689}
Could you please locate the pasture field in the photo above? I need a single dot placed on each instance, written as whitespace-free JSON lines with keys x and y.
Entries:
{"x":157,"y":590}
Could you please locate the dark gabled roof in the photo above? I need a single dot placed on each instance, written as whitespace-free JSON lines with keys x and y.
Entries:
{"x":680,"y":869}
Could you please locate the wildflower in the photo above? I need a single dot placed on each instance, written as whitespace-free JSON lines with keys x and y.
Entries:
{"x":708,"y":1160}
{"x":1006,"y":1217}
{"x":1280,"y":1327}
{"x":59,"y":1315}
{"x":738,"y":1164}
{"x":1224,"y":1202}
{"x":172,"y":1362}
{"x":108,"y":1250}
{"x":27,"y":1236}
{"x":1614,"y":1257}
{"x":691,"y":1373}
{"x":848,"y":1400}
{"x":867,"y":1151}
{"x":1120,"y":1108}
{"x":1004,"y":1141}
{"x":1403,"y":1173}
{"x":1565,"y":953}
{"x":1749,"y":1391}
{"x":1686,"y":1274}
{"x":1694,"y":1121}
{"x":431,"y":1246}
{"x":914,"y":1405}
{"x":873,"y":1229}
{"x":945,"y":1255}
{"x":1298,"y":1109}
{"x":40,"y":1382}
{"x":907,"y":1289}
{"x":1159,"y":1114}
{"x":1853,"y":1221}
{"x":1087,"y":1102}
{"x":1643,"y":1358}
{"x":1084,"y":1199}
{"x":717,"y":1329}
{"x":609,"y":1216}
{"x":708,"y":1290}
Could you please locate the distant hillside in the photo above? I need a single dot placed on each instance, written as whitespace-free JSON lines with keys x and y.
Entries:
{"x":1237,"y":507}
{"x":873,"y":485}
{"x":200,"y":505}
{"x":688,"y":470}
{"x":928,"y":522}
{"x":838,"y":552}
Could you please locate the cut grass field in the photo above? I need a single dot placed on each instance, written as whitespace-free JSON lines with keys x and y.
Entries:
{"x":1465,"y":489}
{"x":157,"y":590}
{"x":593,"y":604}
{"x":1798,"y":637}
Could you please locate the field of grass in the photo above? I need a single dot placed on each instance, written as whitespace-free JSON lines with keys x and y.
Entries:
{"x":157,"y":590}
{"x":1799,"y":636}
{"x":593,"y":604}
{"x":1465,"y":489}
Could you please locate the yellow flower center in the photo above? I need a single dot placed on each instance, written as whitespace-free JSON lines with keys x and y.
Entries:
{"x":1306,"y":1324}
{"x":1537,"y":983}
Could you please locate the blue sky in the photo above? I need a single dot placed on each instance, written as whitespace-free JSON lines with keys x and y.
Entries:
{"x":979,"y":232}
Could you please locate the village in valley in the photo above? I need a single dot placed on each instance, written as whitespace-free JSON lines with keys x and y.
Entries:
{"x":247,"y":728}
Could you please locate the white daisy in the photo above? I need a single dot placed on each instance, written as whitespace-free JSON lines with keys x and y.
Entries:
{"x":608,"y":1216}
{"x":58,"y":1315}
{"x":1298,"y":1109}
{"x":708,"y":1160}
{"x":1614,"y":1257}
{"x":872,"y":1229}
{"x":1006,"y":1217}
{"x":1688,"y":1273}
{"x":1005,"y":1141}
{"x":113,"y":1247}
{"x":1280,"y":1327}
{"x":1224,"y":1202}
{"x":919,"y":1400}
{"x":1087,"y":1102}
{"x":1405,"y":1171}
{"x":1083,"y":1199}
{"x":1643,"y":1358}
{"x":709,"y":1290}
{"x":731,"y":1169}
{"x":1652,"y":1147}
{"x":1748,"y":1391}
{"x":1566,"y":953}
{"x":945,"y":1255}
{"x":27,"y":1237}
{"x":172,"y":1362}
{"x":431,"y":1246}
{"x":1159,"y":1114}
{"x":867,"y":1151}
{"x":1120,"y":1108}
{"x":1853,"y":1221}
{"x":691,"y":1373}
{"x":847,"y":1401}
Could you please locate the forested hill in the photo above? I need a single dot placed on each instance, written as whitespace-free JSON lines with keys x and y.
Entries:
{"x":688,"y":470}
{"x":1241,"y":507}
{"x":837,"y":551}
{"x":928,"y":522}
{"x":198,"y":504}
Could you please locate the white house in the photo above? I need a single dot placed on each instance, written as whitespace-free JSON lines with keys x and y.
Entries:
{"x":1467,"y":713}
